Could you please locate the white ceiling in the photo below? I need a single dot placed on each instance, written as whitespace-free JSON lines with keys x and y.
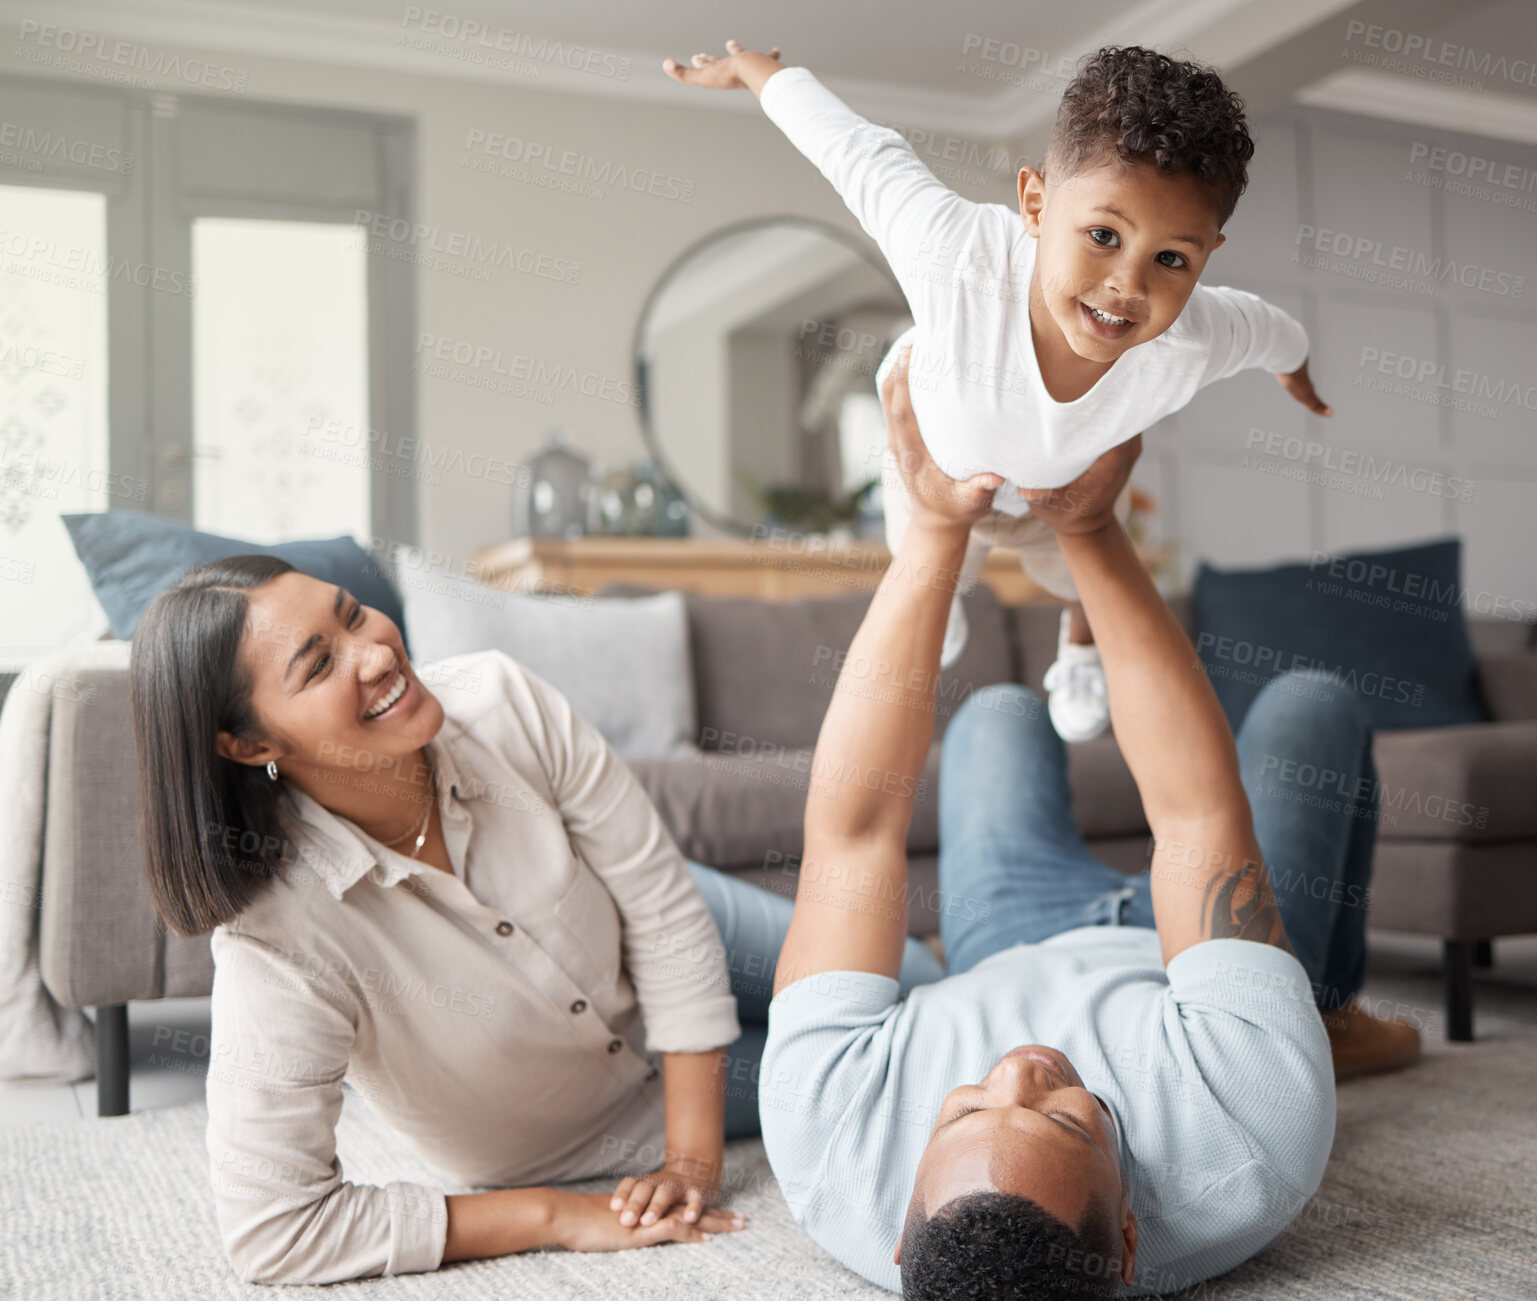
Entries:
{"x":1502,"y":106}
{"x":904,"y":62}
{"x":913,"y":45}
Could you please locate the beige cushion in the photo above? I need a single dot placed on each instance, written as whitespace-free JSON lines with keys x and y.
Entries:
{"x":765,"y":671}
{"x":746,"y":810}
{"x":736,"y":810}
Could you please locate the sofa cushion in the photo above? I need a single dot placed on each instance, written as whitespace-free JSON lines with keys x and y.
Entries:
{"x":1508,"y":684}
{"x":131,"y":557}
{"x":1500,"y":636}
{"x":749,"y":809}
{"x":766,"y":670}
{"x":1389,"y":625}
{"x":1035,"y":627}
{"x":922,"y":888}
{"x":1105,"y":798}
{"x":1470,"y":784}
{"x":623,"y":665}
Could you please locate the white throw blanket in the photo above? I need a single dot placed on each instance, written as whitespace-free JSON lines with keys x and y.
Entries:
{"x":39,"y":1038}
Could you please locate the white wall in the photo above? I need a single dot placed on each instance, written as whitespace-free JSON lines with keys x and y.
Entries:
{"x":1225,"y":489}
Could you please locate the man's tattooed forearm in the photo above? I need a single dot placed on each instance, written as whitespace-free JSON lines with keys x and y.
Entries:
{"x":1257,"y":918}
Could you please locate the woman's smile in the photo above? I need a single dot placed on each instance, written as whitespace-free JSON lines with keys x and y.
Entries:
{"x":394,"y":697}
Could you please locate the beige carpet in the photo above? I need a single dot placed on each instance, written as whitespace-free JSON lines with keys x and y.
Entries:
{"x":1431,"y":1195}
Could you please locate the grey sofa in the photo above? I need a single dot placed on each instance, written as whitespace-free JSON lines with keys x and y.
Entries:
{"x":764,"y":675}
{"x":1457,"y":832}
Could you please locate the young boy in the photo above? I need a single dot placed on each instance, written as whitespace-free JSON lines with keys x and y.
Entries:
{"x":1038,"y":346}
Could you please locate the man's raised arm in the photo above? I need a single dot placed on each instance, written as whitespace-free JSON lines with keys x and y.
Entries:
{"x":851,"y":897}
{"x":1208,"y":880}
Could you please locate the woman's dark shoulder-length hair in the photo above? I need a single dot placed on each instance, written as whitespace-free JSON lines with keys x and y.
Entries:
{"x":213,"y":828}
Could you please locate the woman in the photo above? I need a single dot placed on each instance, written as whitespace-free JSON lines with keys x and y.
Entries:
{"x":459,"y":901}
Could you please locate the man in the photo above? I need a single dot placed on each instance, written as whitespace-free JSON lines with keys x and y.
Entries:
{"x":1124,"y":1084}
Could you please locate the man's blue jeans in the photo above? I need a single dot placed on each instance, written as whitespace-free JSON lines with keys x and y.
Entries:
{"x":752,"y":924}
{"x":1014,"y":868}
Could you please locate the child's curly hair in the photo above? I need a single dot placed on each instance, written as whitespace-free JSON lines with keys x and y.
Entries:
{"x":1149,"y":108}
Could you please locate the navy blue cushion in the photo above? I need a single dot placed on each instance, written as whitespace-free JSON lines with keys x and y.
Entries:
{"x":132,"y":556}
{"x":1387,"y":624}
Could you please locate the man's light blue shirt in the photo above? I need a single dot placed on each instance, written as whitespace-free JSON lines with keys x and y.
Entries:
{"x":1217,"y":1072}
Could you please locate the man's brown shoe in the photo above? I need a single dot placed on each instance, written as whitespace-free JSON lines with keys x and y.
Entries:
{"x":1367,"y":1045}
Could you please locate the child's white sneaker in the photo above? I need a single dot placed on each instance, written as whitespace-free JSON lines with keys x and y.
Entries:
{"x":957,"y":633}
{"x":1077,"y":700}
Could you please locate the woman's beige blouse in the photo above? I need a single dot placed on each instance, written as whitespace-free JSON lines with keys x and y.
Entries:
{"x":504,"y":1019}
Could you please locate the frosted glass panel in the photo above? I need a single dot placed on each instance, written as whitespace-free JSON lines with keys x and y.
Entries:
{"x":53,"y":414}
{"x":280,"y":380}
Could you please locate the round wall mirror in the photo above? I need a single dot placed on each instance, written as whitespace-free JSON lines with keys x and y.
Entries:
{"x":755,"y":362}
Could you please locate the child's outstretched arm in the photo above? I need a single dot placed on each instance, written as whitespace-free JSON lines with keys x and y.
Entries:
{"x":1300,"y":385}
{"x":920,"y":224}
{"x":1248,"y":332}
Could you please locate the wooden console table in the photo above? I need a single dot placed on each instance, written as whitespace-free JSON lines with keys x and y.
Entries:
{"x":778,"y":570}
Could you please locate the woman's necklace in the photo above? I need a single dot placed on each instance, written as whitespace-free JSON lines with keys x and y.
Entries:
{"x":420,"y":830}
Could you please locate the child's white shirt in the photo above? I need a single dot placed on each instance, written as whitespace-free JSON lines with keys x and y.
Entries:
{"x":965,"y":268}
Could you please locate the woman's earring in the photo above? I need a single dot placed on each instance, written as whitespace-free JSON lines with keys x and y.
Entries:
{"x":272,"y":769}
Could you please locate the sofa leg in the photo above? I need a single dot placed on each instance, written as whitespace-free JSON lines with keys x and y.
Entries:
{"x":1483,"y":954}
{"x":1457,"y":962}
{"x":112,"y":1060}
